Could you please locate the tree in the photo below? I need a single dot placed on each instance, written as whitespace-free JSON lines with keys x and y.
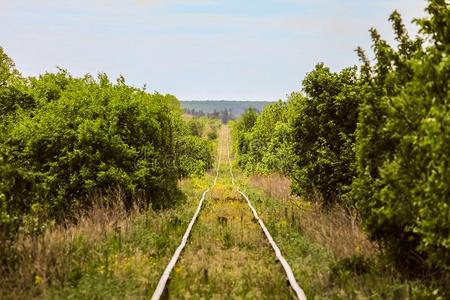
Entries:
{"x":403,"y":149}
{"x":13,"y":92}
{"x":323,"y":133}
{"x":241,"y":134}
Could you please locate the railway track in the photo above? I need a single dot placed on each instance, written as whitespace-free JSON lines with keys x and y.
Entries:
{"x":159,"y":291}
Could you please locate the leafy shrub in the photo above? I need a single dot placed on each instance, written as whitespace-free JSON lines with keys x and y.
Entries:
{"x":269,"y":147}
{"x":194,"y":155}
{"x":241,"y":131}
{"x":310,"y":137}
{"x":349,"y":267}
{"x":13,"y":91}
{"x":86,"y":135}
{"x":196,"y":126}
{"x":403,"y":146}
{"x":379,"y":139}
{"x":212,"y":135}
{"x":323,"y":133}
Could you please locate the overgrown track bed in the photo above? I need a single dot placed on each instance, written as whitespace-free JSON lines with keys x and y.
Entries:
{"x":161,"y":287}
{"x":227,"y":255}
{"x":287,"y":268}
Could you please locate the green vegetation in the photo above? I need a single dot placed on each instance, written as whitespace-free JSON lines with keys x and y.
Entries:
{"x":264,"y":142}
{"x":403,"y":150}
{"x":329,"y":254}
{"x":228,"y":256}
{"x":63,"y":139}
{"x":376,"y":140}
{"x":310,"y":137}
{"x":109,"y":252}
{"x":351,"y":175}
{"x":323,"y":133}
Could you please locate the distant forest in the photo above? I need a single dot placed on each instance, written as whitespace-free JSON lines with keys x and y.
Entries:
{"x":221,"y":109}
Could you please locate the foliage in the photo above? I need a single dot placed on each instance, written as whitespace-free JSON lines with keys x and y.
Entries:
{"x":194,"y":155}
{"x":306,"y":233}
{"x":13,"y":92}
{"x":212,"y":135}
{"x":218,"y":108}
{"x":82,"y":136}
{"x":378,"y":139}
{"x":310,"y":137}
{"x":106,"y":252}
{"x":403,"y":146}
{"x":269,"y":141}
{"x":323,"y":131}
{"x":241,"y":131}
{"x":196,"y":126}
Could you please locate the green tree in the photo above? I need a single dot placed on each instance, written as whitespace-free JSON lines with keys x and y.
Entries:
{"x":403,"y":146}
{"x":87,"y":135}
{"x":323,"y":133}
{"x":241,"y":130}
{"x":13,"y":92}
{"x":196,"y":126}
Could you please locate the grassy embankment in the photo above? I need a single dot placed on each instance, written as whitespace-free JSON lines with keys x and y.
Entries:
{"x":108,"y":253}
{"x":328,"y":251}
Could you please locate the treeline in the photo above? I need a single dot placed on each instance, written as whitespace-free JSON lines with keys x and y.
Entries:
{"x":224,"y":115}
{"x":63,"y":139}
{"x":375,"y":138}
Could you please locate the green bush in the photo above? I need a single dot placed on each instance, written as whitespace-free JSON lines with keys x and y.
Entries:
{"x":309,"y":138}
{"x":212,"y":135}
{"x":196,"y":126}
{"x":83,"y":136}
{"x":241,"y":132}
{"x":193,"y":155}
{"x":269,"y":145}
{"x":348,"y":268}
{"x":379,"y":139}
{"x":403,"y":145}
{"x":13,"y":90}
{"x":323,"y":134}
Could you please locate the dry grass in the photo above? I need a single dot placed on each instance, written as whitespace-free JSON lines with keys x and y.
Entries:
{"x":43,"y":259}
{"x":274,"y":186}
{"x":337,"y":229}
{"x":104,"y":252}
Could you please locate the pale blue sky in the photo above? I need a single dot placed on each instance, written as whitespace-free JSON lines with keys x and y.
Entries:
{"x":199,"y":49}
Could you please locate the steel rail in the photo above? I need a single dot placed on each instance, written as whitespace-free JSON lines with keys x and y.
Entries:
{"x":287,"y":268}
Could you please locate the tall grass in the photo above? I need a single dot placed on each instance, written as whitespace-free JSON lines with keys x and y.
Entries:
{"x":328,"y":250}
{"x":104,"y":252}
{"x":338,"y":229}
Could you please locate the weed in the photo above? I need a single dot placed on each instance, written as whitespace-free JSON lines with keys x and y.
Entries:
{"x":328,"y":251}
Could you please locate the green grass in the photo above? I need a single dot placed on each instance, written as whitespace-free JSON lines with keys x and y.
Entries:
{"x":319,"y":272}
{"x":228,"y":258}
{"x":116,"y":256}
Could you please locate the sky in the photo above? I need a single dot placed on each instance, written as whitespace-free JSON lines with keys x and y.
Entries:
{"x":196,"y":49}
